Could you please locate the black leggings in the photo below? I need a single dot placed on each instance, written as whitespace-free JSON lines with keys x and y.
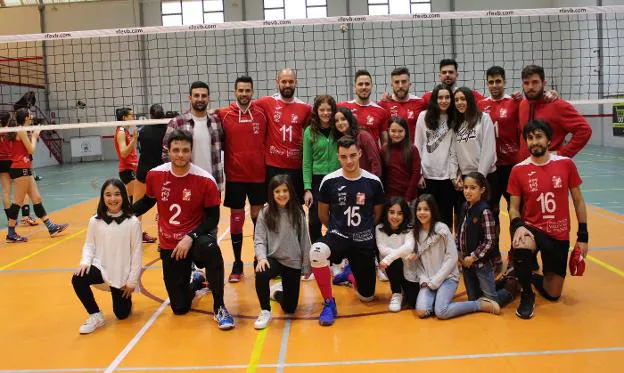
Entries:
{"x":177,"y":273}
{"x":445,"y":196}
{"x":82,"y":286}
{"x":398,"y":283}
{"x":314,"y":224}
{"x":290,"y":282}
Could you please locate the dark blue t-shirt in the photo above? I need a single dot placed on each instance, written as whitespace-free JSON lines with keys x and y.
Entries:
{"x":351,"y":205}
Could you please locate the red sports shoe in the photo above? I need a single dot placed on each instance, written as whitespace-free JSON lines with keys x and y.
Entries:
{"x":147,"y":238}
{"x":27,"y":220}
{"x":577,"y":262}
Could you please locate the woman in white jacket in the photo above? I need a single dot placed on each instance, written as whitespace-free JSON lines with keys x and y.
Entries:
{"x":111,"y":256}
{"x":475,"y":147}
{"x":435,"y":139}
{"x":436,"y":266}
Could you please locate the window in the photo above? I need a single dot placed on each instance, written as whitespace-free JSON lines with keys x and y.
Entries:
{"x":294,"y":9}
{"x":191,"y":12}
{"x":383,"y":7}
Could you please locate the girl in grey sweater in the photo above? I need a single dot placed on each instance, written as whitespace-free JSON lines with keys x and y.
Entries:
{"x":282,"y":245}
{"x":436,"y":266}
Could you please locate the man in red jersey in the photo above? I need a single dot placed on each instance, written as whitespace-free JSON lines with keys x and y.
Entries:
{"x":401,"y":103}
{"x":370,"y":116}
{"x":448,"y":75}
{"x":244,"y":132}
{"x":540,"y":184}
{"x":559,"y":114}
{"x":503,"y":109}
{"x":286,"y":118}
{"x":187,"y":199}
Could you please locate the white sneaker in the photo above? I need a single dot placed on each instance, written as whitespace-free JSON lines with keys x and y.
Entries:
{"x":395,"y":302}
{"x":275,"y":288}
{"x":93,"y":322}
{"x":382,"y":275}
{"x":263,"y":319}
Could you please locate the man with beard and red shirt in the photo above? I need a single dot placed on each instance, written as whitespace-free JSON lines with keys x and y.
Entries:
{"x":187,"y":198}
{"x":244,"y":132}
{"x":401,"y":103}
{"x":448,"y":77}
{"x":559,"y":114}
{"x":541,"y":184}
{"x":286,"y":118}
{"x":370,"y":116}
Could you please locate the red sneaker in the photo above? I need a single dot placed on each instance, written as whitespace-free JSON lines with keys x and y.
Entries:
{"x":27,"y":220}
{"x":147,"y":238}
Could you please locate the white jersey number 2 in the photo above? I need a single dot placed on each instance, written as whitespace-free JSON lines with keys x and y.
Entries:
{"x":178,"y":210}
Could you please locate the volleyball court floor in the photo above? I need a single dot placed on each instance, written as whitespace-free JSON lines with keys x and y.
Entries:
{"x":40,"y":315}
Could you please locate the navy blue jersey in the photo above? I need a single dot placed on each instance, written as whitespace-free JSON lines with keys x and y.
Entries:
{"x":351,"y":205}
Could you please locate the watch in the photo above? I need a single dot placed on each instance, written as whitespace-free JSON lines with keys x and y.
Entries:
{"x":193,"y":235}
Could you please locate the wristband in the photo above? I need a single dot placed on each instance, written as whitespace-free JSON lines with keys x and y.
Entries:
{"x":193,"y":236}
{"x":582,"y":235}
{"x":514,"y":225}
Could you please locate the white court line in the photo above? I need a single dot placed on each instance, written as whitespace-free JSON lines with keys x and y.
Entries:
{"x":337,"y":363}
{"x":136,"y":338}
{"x":386,"y":361}
{"x":122,"y":355}
{"x":283,"y":346}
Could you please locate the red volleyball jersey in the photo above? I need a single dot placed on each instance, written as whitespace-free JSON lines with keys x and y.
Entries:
{"x":180,"y":200}
{"x":244,"y":145}
{"x":131,"y":160}
{"x":372,"y":117}
{"x":285,"y":124}
{"x":505,"y":116}
{"x":544,"y":192}
{"x":409,"y":110}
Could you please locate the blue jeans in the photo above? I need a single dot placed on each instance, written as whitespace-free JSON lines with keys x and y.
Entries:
{"x":480,"y":282}
{"x":441,"y":303}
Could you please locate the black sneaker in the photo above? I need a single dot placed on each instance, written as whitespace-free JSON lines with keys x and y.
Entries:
{"x":527,"y":305}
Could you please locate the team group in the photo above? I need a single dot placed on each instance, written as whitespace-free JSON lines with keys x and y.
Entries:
{"x":408,"y":187}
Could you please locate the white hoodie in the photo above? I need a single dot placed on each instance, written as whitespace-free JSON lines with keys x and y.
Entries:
{"x":476,"y":147}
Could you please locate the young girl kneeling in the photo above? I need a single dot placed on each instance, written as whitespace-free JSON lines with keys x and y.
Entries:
{"x":112,"y":255}
{"x":395,"y":242}
{"x":437,"y":266}
{"x":476,"y":240}
{"x":282,"y":244}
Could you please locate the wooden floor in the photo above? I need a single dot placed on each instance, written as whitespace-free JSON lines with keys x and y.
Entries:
{"x":40,"y":317}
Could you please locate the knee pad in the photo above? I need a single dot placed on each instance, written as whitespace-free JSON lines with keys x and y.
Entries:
{"x":237,"y":220}
{"x":521,"y":256}
{"x":319,"y":255}
{"x":365,"y":299}
{"x":13,"y":211}
{"x":39,"y":210}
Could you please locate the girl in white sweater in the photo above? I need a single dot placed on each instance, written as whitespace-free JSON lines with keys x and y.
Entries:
{"x":395,"y":242}
{"x":112,"y":255}
{"x":437,"y":267}
{"x":434,"y":140}
{"x":475,"y":146}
